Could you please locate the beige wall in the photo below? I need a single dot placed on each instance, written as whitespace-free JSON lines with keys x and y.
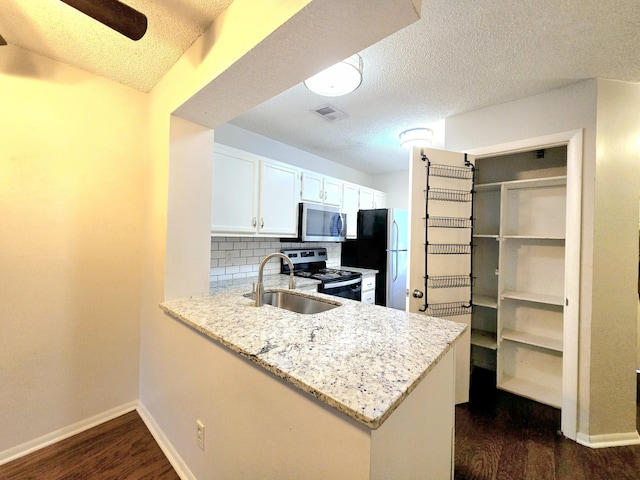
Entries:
{"x":615,"y":269}
{"x":72,"y":187}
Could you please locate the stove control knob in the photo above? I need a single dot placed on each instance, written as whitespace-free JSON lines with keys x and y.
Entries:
{"x":417,"y":294}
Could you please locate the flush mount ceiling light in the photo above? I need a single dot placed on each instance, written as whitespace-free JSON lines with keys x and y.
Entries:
{"x":416,"y":137}
{"x":339,"y":79}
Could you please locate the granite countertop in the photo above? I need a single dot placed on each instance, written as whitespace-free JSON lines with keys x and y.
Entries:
{"x":360,"y":359}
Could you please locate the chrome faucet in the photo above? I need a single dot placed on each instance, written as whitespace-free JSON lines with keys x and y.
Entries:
{"x":259,"y":291}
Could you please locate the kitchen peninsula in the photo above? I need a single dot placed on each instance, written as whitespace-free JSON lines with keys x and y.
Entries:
{"x":380,"y":382}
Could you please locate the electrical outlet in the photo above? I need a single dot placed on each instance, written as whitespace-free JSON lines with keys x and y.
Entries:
{"x":200,"y":434}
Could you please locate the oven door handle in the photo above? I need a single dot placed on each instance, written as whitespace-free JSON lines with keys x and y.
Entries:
{"x":346,"y":283}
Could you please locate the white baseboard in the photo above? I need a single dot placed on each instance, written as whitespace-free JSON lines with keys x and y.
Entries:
{"x":49,"y":439}
{"x":608,"y":440}
{"x":166,"y":446}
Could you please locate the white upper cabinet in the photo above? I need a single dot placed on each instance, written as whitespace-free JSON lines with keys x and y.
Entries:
{"x":379,"y":199}
{"x":278,"y":199}
{"x":370,"y":198}
{"x":321,"y":189}
{"x":252,"y":195}
{"x":350,"y":202}
{"x":235,"y":193}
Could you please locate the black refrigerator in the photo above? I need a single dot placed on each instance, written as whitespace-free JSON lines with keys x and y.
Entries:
{"x":382,"y":245}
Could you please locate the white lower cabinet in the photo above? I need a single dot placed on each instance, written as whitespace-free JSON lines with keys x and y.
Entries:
{"x":369,"y":289}
{"x":252,"y":195}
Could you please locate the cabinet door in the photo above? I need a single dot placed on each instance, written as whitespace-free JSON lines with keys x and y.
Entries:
{"x":379,"y":199}
{"x":366,"y":199}
{"x":350,"y":207}
{"x":311,"y":189}
{"x":235,"y":194}
{"x":278,"y":200}
{"x":332,"y":192}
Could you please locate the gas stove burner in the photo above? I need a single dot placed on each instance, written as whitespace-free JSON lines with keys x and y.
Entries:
{"x":312,"y":263}
{"x":300,"y":273}
{"x":326,"y":274}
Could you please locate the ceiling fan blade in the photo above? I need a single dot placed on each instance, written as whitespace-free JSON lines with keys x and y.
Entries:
{"x":2,"y":41}
{"x":115,"y":15}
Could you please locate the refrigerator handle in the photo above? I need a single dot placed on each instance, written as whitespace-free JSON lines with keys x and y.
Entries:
{"x":397,"y":239}
{"x":395,"y":273}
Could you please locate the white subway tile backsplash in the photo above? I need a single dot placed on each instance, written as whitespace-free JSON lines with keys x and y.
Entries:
{"x":217,"y":271}
{"x":239,"y":257}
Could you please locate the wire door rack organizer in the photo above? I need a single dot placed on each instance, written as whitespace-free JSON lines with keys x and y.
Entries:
{"x":448,"y":222}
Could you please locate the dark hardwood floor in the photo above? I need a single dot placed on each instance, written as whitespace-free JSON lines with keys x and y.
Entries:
{"x":499,"y":436}
{"x":122,"y":448}
{"x":502,"y":436}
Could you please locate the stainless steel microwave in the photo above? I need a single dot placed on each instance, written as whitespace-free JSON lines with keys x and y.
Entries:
{"x":321,"y":223}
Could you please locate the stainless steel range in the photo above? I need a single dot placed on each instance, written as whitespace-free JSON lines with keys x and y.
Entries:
{"x":312,"y":263}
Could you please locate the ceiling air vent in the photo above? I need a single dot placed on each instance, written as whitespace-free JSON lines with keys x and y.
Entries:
{"x":329,"y":112}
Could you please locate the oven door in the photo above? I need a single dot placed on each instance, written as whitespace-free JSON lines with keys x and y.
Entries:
{"x":351,"y":289}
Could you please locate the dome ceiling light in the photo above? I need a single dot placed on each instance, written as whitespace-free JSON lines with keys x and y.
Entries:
{"x":339,"y":79}
{"x":416,"y":137}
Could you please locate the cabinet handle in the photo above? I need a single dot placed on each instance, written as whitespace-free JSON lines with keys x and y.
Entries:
{"x":254,"y":222}
{"x":325,"y":195}
{"x":321,"y":194}
{"x":262,"y":223}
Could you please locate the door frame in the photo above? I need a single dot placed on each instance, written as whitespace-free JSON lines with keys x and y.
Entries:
{"x":573,"y":140}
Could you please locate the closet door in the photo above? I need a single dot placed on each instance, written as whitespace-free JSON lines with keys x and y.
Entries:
{"x":440,"y":245}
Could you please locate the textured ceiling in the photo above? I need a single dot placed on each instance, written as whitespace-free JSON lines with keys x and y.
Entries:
{"x":58,"y":31}
{"x":460,"y":56}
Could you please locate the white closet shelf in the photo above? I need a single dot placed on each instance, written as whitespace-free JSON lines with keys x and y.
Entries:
{"x":487,"y":187}
{"x":485,"y":301}
{"x":486,"y":235}
{"x":533,"y":297}
{"x":530,"y":339}
{"x":529,"y":183}
{"x":536,"y":182}
{"x":484,"y":339}
{"x":540,"y":393}
{"x":533,"y":237}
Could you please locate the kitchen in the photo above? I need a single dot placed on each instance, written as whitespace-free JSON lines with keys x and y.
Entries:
{"x":133,"y":212}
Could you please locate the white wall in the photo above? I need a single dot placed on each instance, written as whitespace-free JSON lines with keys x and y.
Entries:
{"x":589,"y":105}
{"x":396,"y":186}
{"x":250,"y":37}
{"x":72,"y":185}
{"x":190,"y":171}
{"x":232,"y":136}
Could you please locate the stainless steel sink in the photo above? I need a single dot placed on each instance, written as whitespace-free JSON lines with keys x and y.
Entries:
{"x":298,"y":303}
